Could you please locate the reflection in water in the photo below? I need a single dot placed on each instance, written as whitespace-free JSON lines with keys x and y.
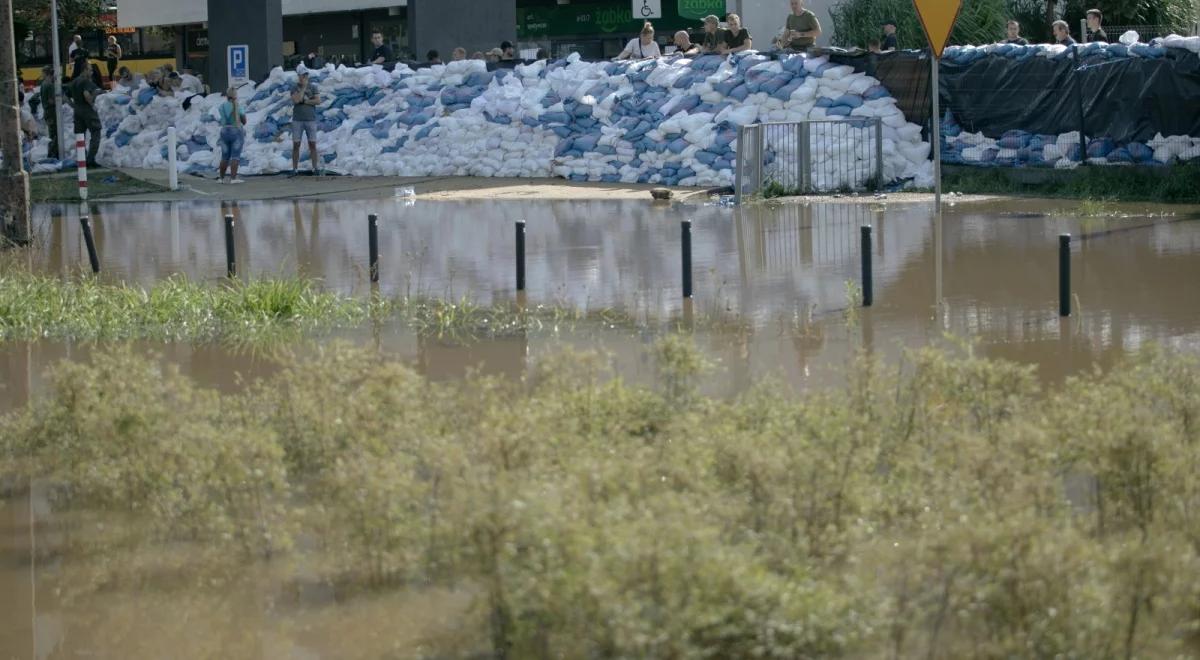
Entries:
{"x":774,"y":268}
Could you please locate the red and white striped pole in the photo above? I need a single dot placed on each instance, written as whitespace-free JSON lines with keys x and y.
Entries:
{"x":81,"y":165}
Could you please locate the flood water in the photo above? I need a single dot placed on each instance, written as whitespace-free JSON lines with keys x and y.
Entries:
{"x":770,"y":301}
{"x":770,"y":281}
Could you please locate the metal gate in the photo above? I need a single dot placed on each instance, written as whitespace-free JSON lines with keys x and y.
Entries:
{"x":805,"y":157}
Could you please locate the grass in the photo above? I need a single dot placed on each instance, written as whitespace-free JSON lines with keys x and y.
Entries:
{"x":102,"y":184}
{"x":176,"y":309}
{"x":1176,"y":184}
{"x":943,"y":506}
{"x":259,"y":313}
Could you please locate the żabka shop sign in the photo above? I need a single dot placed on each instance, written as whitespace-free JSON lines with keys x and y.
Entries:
{"x":698,"y":9}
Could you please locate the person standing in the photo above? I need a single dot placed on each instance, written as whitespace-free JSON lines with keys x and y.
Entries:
{"x":80,"y":65}
{"x":112,"y":57}
{"x":1094,"y":31}
{"x":305,"y":99}
{"x":644,"y":47}
{"x":1062,"y":34}
{"x":49,"y":108}
{"x":233,"y":136}
{"x":889,"y":42}
{"x":76,"y":42}
{"x":382,"y":54}
{"x":83,"y":98}
{"x":1014,"y":34}
{"x":737,"y":38}
{"x":802,"y":28}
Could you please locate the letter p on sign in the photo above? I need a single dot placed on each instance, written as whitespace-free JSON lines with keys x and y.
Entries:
{"x":238,"y":59}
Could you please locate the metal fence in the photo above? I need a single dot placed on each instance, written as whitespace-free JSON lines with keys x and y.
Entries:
{"x":1145,"y":32}
{"x":805,"y":157}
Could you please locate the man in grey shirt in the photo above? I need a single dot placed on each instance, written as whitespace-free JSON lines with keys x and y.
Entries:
{"x":305,"y":98}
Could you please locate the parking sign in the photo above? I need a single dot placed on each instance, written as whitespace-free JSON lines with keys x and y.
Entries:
{"x":644,"y":9}
{"x":238,"y":59}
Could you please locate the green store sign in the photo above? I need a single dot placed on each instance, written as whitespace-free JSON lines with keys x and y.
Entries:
{"x":613,"y":17}
{"x":697,"y":9}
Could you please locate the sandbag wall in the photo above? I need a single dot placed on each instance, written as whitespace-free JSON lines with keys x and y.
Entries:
{"x":671,"y":121}
{"x":1008,"y":105}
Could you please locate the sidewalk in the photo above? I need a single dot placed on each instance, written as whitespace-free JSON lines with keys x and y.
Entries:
{"x":373,"y":187}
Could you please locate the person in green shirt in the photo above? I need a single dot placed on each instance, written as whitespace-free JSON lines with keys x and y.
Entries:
{"x":49,"y":108}
{"x":802,"y":28}
{"x":714,"y":36}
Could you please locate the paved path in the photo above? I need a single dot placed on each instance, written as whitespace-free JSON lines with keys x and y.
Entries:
{"x":373,"y":187}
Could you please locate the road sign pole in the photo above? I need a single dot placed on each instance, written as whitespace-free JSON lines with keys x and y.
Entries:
{"x":936,"y":137}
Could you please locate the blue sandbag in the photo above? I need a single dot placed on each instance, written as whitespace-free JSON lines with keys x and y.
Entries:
{"x":1139,"y":152}
{"x":1014,"y":139}
{"x":555,"y":118}
{"x":687,"y":103}
{"x":1119,"y":155}
{"x":677,"y":146}
{"x":849,"y":100}
{"x":707,"y":157}
{"x":839,"y":111}
{"x":145,"y":95}
{"x":123,"y":138}
{"x":724,"y":88}
{"x":785,"y":93}
{"x":586,"y":142}
{"x":824,"y":102}
{"x":605,"y":150}
{"x":739,"y":93}
{"x":875,"y":92}
{"x":685,"y":172}
{"x":1100,"y":147}
{"x":774,"y":84}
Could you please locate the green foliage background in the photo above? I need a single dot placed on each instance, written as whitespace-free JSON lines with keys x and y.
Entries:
{"x":856,"y":22}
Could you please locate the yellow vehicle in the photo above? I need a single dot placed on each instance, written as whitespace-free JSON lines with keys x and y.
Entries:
{"x":32,"y":74}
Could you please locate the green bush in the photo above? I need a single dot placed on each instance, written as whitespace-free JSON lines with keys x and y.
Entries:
{"x":947,"y":506}
{"x":857,"y":22}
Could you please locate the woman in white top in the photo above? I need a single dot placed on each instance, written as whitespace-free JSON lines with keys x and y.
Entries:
{"x":643,"y":47}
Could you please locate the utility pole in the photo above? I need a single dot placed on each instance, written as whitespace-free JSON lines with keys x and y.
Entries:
{"x":56,"y":60}
{"x":14,"y":183}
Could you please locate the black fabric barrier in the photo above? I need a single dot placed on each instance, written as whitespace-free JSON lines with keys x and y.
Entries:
{"x":1126,"y":99}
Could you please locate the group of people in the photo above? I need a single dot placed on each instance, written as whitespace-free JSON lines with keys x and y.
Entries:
{"x":799,"y":33}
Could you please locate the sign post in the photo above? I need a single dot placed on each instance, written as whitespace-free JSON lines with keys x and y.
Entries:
{"x":237,"y":59}
{"x":937,"y":18}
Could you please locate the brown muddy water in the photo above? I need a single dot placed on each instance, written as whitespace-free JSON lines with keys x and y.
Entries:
{"x":770,"y":301}
{"x":770,"y":280}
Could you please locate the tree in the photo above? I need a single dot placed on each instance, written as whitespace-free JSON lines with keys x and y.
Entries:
{"x":33,"y":16}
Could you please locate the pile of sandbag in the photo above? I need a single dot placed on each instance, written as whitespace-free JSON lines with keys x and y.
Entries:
{"x":1017,"y":148}
{"x":1128,"y":45}
{"x":670,"y":121}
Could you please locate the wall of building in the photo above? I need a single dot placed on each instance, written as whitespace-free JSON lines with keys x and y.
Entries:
{"x":257,"y":24}
{"x":144,"y":13}
{"x":443,"y":25}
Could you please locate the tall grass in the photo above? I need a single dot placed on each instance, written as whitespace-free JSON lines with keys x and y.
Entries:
{"x":946,"y":506}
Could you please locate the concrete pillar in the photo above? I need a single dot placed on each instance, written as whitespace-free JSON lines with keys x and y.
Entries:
{"x":443,"y":25}
{"x":257,"y":24}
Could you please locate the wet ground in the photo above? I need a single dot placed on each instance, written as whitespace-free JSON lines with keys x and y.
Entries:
{"x":770,"y":301}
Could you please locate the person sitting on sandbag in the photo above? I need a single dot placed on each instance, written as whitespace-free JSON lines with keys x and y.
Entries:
{"x":737,"y":38}
{"x":714,"y":36}
{"x":683,"y":44}
{"x":642,"y":48}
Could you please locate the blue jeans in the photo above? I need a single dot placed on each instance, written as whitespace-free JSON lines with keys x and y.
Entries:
{"x":232,"y":138}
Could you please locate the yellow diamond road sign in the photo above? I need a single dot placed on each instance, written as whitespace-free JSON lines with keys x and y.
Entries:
{"x":937,"y":17}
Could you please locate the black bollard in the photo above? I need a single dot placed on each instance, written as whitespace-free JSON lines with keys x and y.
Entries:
{"x":685,"y":230}
{"x":90,"y":241}
{"x":868,"y":287}
{"x":373,"y":245}
{"x":230,"y":255}
{"x":520,"y":255}
{"x":1064,"y":274}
